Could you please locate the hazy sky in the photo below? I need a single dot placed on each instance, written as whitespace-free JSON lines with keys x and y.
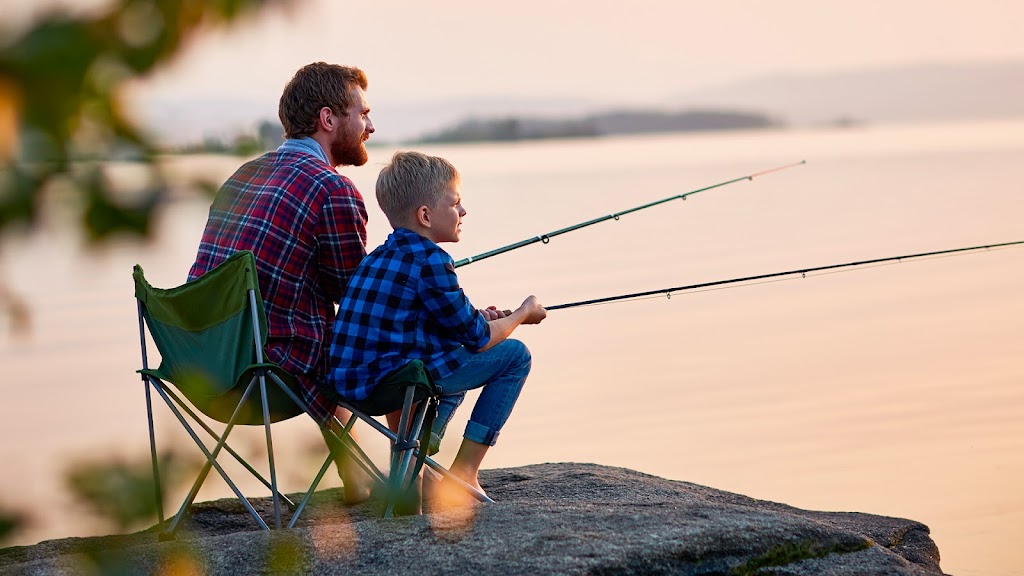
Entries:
{"x":588,"y":47}
{"x":421,"y":53}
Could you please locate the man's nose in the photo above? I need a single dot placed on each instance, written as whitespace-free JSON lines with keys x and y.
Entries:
{"x":369,"y":125}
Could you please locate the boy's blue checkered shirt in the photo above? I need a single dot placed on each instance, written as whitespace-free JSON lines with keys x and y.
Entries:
{"x":403,"y":302}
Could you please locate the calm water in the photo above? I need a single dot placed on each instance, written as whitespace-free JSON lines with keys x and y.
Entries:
{"x":895,"y":390}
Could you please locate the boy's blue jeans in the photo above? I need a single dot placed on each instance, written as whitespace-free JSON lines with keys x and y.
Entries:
{"x":502,"y":371}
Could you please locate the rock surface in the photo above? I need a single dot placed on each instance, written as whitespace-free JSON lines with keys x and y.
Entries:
{"x":548,"y":519}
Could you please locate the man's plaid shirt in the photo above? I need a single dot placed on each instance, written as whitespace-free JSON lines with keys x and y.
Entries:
{"x":403,"y":302}
{"x":306,"y":224}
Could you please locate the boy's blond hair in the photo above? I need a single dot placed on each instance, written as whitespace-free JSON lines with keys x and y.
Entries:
{"x":411,"y":180}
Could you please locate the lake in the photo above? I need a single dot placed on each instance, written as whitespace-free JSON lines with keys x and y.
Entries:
{"x":895,"y":390}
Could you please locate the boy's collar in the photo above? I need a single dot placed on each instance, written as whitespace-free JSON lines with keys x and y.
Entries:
{"x":402,"y":231}
{"x":413,"y":235}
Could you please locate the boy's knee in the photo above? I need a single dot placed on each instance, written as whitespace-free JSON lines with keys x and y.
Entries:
{"x":520,"y":353}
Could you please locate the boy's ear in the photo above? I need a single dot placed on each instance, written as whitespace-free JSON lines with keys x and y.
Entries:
{"x":423,"y":216}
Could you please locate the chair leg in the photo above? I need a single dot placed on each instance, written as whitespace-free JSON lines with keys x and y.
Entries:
{"x":413,"y":441}
{"x":356,"y":452}
{"x":309,"y":493}
{"x":270,"y":452}
{"x":159,"y":493}
{"x":345,"y":442}
{"x":157,"y":488}
{"x":344,"y":439}
{"x":227,"y":447}
{"x":402,"y":451}
{"x":211,"y":460}
{"x":428,"y":461}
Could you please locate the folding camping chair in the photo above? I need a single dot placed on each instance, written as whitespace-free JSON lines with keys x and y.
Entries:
{"x":210,"y":334}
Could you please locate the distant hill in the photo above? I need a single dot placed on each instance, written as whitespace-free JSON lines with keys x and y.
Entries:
{"x":620,"y":122}
{"x":933,"y":92}
{"x":927,"y":92}
{"x":636,"y":121}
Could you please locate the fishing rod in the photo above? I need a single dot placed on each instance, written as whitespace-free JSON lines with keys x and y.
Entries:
{"x":545,"y":238}
{"x":803,"y":271}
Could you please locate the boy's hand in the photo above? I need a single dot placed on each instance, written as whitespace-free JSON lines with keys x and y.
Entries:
{"x":492,"y":313}
{"x":533,"y":310}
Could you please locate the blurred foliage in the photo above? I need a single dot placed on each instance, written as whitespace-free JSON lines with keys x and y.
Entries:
{"x":268,"y":136}
{"x":19,"y":321}
{"x":123,"y":493}
{"x":287,"y":554}
{"x":97,"y":561}
{"x":115,"y":556}
{"x":61,"y":112}
{"x":63,"y":120}
{"x":10,"y":523}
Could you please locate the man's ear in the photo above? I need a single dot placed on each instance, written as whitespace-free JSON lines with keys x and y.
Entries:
{"x":423,"y":216}
{"x":326,"y":120}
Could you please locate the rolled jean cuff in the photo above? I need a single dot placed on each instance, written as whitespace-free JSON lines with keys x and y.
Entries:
{"x":480,"y":434}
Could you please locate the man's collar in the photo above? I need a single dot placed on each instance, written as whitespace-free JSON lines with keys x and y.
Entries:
{"x":304,"y":144}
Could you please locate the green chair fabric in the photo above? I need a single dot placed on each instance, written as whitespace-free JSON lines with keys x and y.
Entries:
{"x":389,"y":395}
{"x":204,"y":332}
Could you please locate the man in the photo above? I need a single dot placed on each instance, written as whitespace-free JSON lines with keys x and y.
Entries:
{"x":305,"y":223}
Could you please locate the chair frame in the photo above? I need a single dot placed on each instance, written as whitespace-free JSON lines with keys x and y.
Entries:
{"x":176,"y":405}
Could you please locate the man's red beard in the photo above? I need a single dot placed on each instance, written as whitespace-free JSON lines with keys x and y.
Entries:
{"x":348,"y":150}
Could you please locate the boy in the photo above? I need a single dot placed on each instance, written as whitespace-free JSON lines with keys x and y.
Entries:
{"x":404,"y":302}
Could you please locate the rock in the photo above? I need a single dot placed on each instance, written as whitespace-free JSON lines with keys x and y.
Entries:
{"x":549,"y":518}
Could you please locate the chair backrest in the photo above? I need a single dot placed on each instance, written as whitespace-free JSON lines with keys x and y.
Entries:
{"x":204,"y":332}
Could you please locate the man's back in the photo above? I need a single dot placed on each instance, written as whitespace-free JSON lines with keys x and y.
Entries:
{"x":306,"y":224}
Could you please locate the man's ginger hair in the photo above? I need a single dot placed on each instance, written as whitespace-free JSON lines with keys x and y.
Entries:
{"x":312,"y":88}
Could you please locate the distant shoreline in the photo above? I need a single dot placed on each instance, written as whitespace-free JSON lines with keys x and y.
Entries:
{"x":524,"y":128}
{"x":518,"y":128}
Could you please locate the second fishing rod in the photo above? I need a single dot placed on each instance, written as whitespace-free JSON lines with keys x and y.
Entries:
{"x":545,"y":238}
{"x":803,"y":272}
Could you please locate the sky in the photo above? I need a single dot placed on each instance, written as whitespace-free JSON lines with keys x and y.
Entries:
{"x":425,"y":57}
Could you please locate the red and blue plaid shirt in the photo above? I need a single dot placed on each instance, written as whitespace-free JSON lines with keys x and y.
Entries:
{"x":306,"y":224}
{"x":403,"y":302}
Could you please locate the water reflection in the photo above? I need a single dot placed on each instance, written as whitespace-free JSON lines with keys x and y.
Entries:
{"x":892,"y":390}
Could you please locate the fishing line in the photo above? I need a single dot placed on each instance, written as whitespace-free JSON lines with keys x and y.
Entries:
{"x":766,"y":278}
{"x":545,"y":238}
{"x":669,"y":295}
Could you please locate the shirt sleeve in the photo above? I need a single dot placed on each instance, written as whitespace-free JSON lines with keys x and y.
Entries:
{"x":448,"y":305}
{"x":341,"y":234}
